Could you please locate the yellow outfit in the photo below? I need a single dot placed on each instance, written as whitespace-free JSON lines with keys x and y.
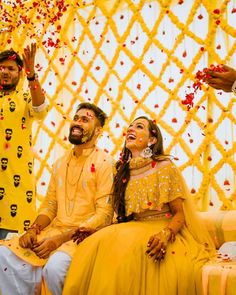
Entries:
{"x":78,"y":195}
{"x":17,"y":184}
{"x":113,"y":260}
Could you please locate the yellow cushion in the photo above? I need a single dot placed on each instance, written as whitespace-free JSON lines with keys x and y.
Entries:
{"x":219,"y":278}
{"x":221,"y":226}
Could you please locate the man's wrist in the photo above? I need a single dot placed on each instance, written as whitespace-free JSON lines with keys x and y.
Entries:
{"x":32,"y":77}
{"x":36,"y":228}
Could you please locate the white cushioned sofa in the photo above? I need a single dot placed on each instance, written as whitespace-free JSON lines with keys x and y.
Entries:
{"x":219,"y":277}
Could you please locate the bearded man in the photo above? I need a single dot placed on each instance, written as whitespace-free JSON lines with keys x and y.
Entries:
{"x":77,"y":203}
{"x":18,"y":109}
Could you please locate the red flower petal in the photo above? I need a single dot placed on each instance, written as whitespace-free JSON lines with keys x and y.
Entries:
{"x":92,"y":169}
{"x":168,"y":215}
{"x":216,"y":11}
{"x":154,"y":164}
{"x":226,"y":182}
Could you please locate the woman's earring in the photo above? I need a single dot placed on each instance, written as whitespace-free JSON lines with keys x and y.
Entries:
{"x":147,"y":152}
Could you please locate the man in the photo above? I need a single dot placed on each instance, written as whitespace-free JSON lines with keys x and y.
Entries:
{"x":78,"y":196}
{"x":18,"y":109}
{"x":225,"y":81}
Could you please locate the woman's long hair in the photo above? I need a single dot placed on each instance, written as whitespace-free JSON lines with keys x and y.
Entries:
{"x":123,"y":172}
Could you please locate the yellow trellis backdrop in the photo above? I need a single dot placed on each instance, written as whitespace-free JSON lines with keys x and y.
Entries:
{"x":134,"y":57}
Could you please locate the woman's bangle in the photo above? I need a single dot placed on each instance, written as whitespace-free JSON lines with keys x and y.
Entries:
{"x":168,"y":234}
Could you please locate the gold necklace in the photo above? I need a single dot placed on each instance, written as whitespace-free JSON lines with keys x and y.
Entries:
{"x":69,"y":208}
{"x":139,"y":162}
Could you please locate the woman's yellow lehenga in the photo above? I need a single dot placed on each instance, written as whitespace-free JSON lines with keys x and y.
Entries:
{"x":113,"y":261}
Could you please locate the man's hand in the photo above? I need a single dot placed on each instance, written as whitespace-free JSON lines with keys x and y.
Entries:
{"x":222,"y":80}
{"x":43,"y":248}
{"x":29,"y":59}
{"x":29,"y":239}
{"x":82,"y":233}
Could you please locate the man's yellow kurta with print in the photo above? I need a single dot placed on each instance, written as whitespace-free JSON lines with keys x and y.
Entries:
{"x":17,"y":184}
{"x":79,"y":194}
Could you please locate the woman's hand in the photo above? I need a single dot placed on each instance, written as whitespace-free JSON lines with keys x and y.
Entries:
{"x":157,"y":244}
{"x":82,"y":233}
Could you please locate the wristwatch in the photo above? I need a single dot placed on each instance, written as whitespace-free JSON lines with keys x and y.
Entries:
{"x":234,"y":87}
{"x":34,"y":77}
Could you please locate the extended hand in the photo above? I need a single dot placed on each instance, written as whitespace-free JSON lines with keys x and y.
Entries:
{"x":43,"y":248}
{"x":29,"y":239}
{"x":222,"y":80}
{"x":82,"y":233}
{"x":29,"y":59}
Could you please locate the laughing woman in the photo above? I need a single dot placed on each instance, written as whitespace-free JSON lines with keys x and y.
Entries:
{"x":158,"y":245}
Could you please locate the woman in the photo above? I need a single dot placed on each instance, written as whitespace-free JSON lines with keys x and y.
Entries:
{"x":158,"y":246}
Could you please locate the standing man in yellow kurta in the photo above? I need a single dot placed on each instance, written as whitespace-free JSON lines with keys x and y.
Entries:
{"x":78,"y":202}
{"x":18,"y":109}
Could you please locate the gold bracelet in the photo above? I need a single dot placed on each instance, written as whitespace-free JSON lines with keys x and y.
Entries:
{"x":168,"y":233}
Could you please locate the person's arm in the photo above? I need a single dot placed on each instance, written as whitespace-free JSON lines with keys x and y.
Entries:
{"x":157,"y":243}
{"x":43,"y":248}
{"x":222,"y":80}
{"x":47,"y":212}
{"x":37,"y":94}
{"x":103,"y":207}
{"x":29,"y":239}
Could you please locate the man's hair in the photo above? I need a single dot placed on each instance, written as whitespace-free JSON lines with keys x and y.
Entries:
{"x":12,"y":55}
{"x":100,"y":115}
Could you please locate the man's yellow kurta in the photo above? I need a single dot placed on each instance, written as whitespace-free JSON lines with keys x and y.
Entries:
{"x":79,"y":194}
{"x":17,"y":184}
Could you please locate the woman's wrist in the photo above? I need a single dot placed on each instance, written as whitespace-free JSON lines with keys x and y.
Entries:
{"x":168,"y":233}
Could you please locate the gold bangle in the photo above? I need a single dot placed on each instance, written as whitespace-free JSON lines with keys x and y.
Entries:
{"x":169,"y":233}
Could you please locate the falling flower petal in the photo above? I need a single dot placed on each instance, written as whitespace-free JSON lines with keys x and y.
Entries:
{"x":92,"y":169}
{"x":226,"y":182}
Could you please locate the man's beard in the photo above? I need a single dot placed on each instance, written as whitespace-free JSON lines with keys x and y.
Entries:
{"x":80,"y":139}
{"x":8,"y":87}
{"x":11,"y":86}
